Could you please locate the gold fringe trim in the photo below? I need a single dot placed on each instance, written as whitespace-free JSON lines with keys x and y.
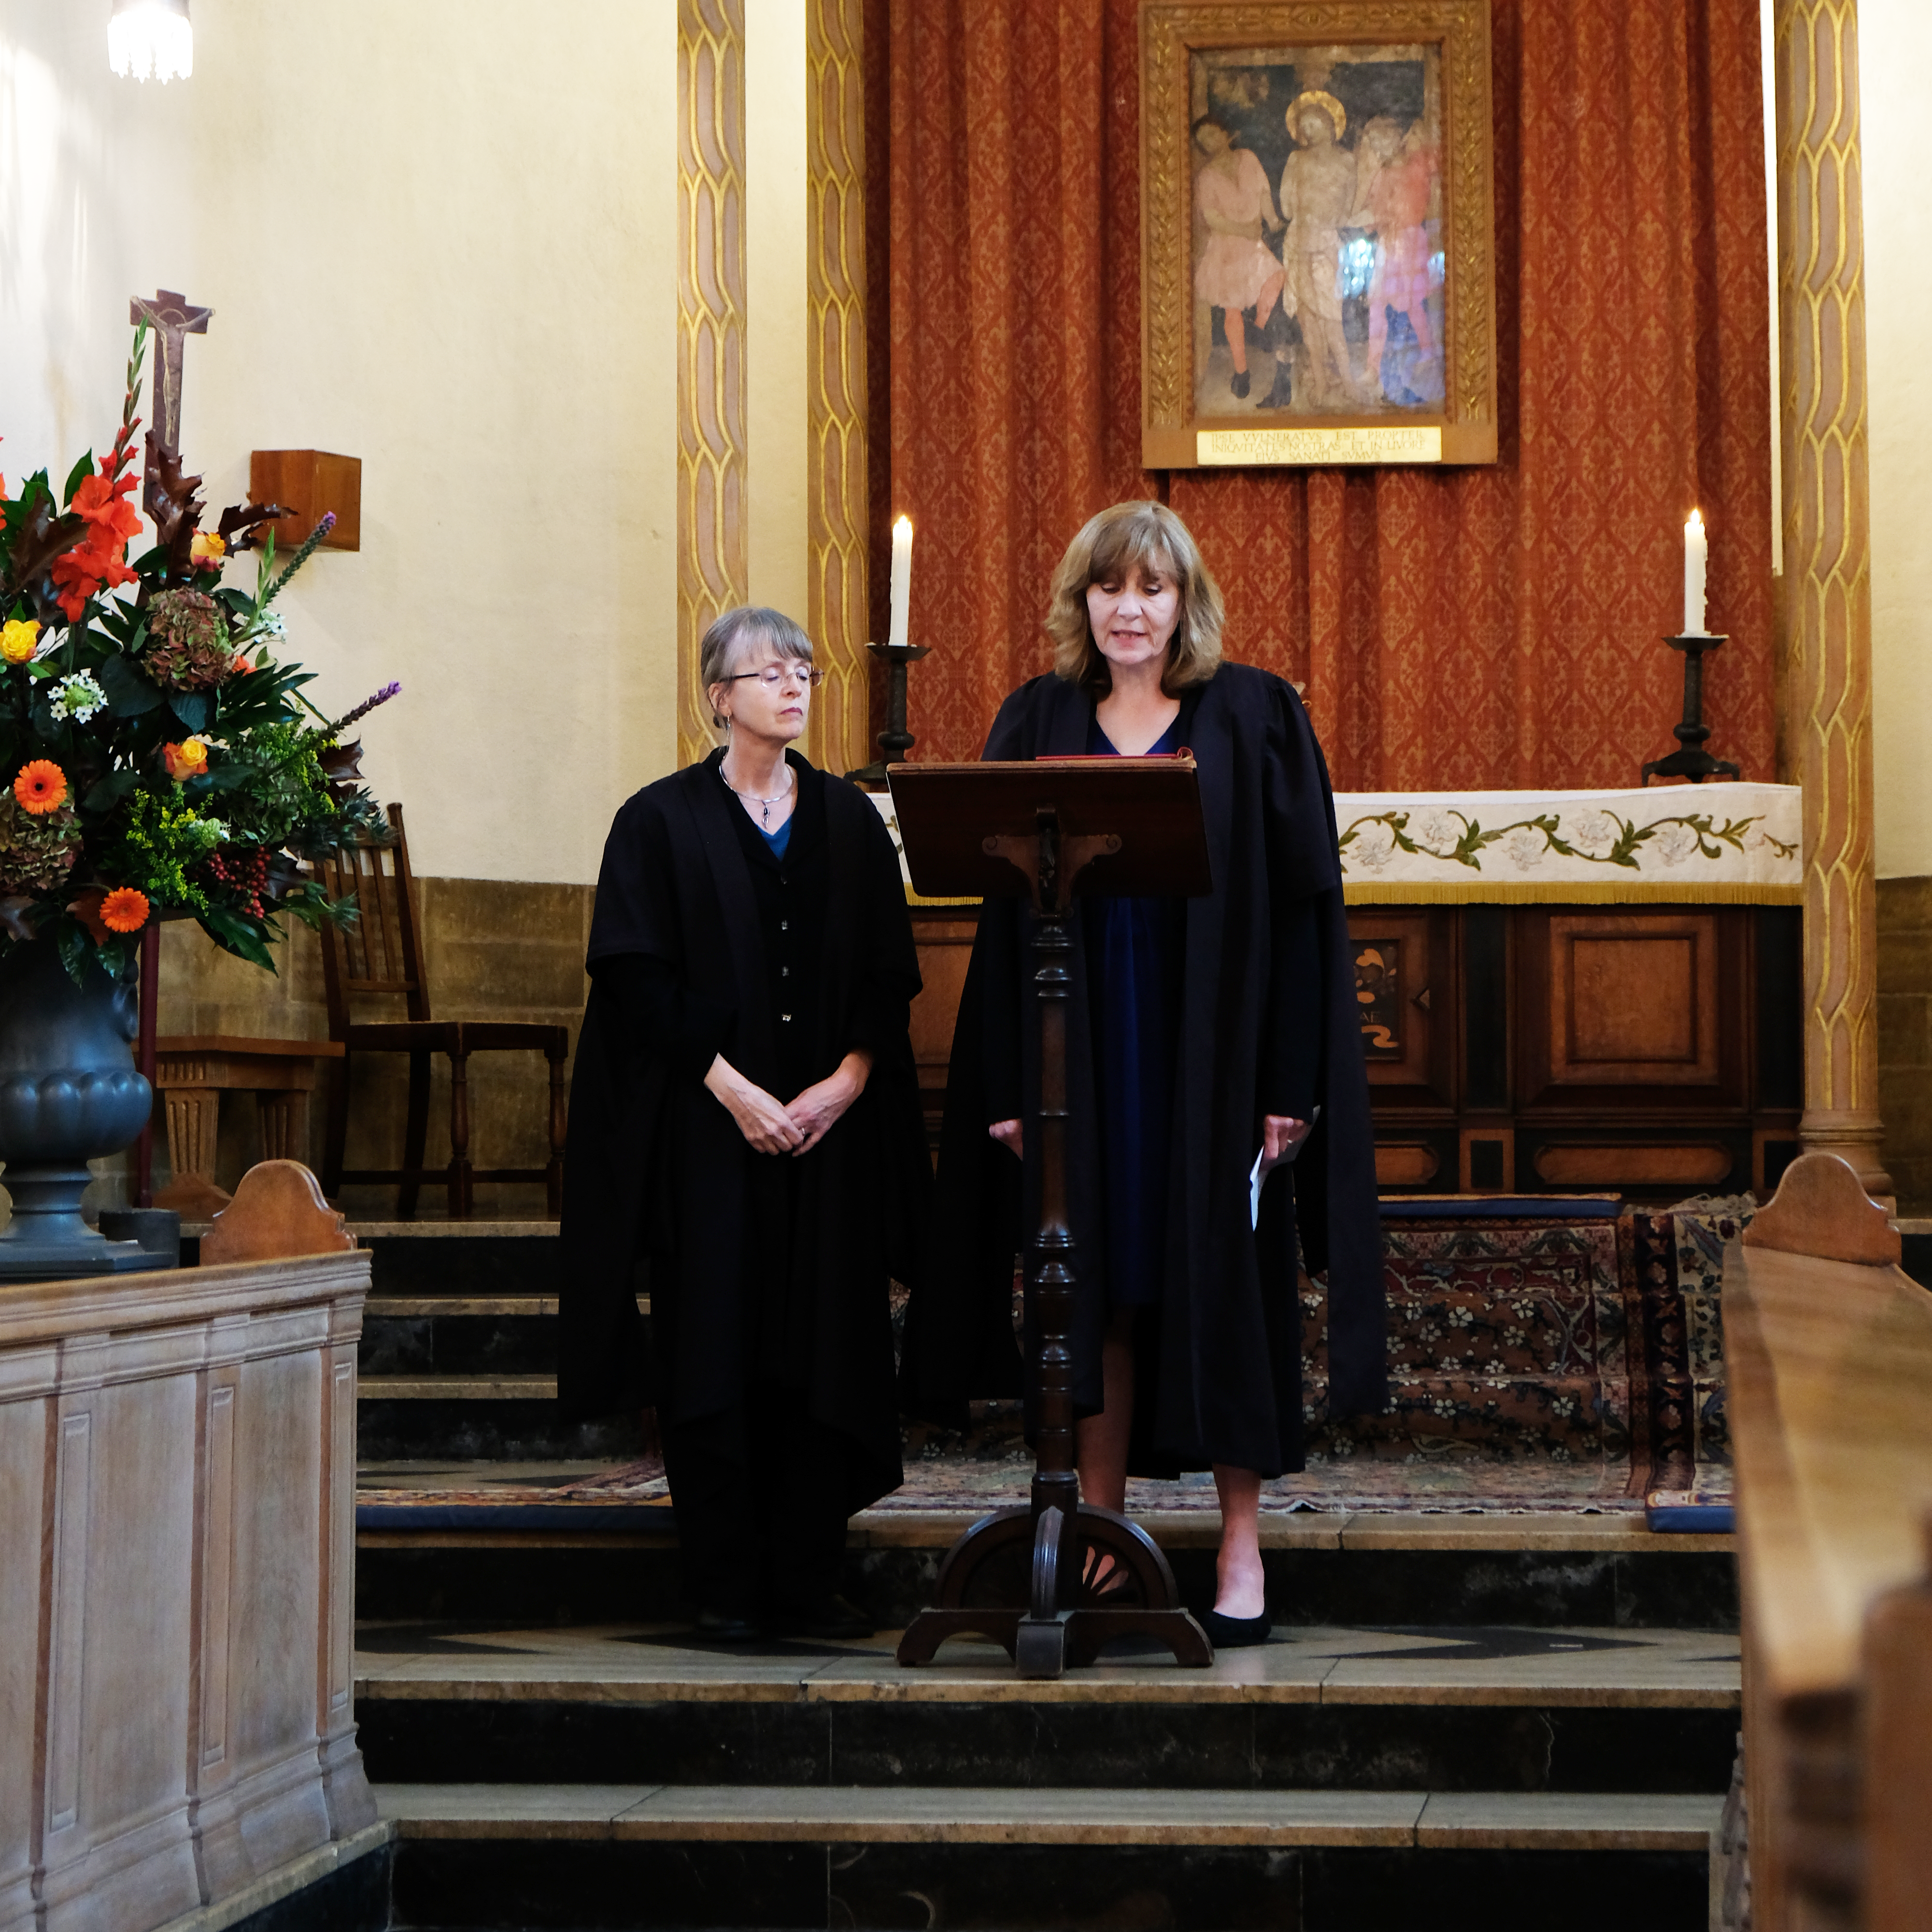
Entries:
{"x":1584,"y":891}
{"x":1533,"y":891}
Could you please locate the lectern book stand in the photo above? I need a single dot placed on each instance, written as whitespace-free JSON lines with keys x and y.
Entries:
{"x":1048,"y":828}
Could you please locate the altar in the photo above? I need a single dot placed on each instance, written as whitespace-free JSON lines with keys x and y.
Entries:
{"x":1561,"y":991}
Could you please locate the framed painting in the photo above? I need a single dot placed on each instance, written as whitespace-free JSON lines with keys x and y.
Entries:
{"x":1318,"y":274}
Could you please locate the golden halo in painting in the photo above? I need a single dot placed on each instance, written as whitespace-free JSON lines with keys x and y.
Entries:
{"x":1315,"y":97}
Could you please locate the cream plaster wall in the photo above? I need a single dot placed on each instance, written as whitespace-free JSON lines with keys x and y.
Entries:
{"x":449,"y":249}
{"x":1895,"y":54}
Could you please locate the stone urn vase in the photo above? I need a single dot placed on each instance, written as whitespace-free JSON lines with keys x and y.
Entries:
{"x":69,"y":1093}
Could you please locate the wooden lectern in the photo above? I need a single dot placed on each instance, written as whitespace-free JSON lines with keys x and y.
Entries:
{"x":1049,"y":827}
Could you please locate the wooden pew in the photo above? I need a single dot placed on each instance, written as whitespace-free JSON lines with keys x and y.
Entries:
{"x":1829,"y":1351}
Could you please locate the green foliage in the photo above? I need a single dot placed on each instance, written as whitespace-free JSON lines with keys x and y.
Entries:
{"x":177,"y":657}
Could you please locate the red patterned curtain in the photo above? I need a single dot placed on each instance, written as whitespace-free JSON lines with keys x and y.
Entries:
{"x":1454,"y":628}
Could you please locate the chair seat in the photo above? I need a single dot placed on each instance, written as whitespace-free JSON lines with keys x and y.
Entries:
{"x":458,"y":1036}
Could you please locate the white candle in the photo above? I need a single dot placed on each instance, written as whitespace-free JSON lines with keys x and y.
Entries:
{"x":901,"y":579}
{"x":1696,"y":554}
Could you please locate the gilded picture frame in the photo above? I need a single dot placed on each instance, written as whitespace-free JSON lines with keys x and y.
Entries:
{"x":1317,"y":256}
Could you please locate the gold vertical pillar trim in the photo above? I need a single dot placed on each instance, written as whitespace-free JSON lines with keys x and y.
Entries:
{"x":836,"y":506}
{"x":1828,"y":567}
{"x":713,"y":564}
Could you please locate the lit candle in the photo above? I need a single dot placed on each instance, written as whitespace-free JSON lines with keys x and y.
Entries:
{"x":902,"y":579}
{"x":1696,"y":554}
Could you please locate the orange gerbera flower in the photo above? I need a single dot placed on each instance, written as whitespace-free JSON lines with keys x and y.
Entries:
{"x":40,"y":787}
{"x":124,"y":910}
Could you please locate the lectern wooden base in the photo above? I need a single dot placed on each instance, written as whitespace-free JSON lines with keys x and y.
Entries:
{"x":1054,"y":1582}
{"x":1005,"y":1558}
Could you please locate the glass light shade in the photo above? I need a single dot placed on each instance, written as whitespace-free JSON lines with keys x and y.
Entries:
{"x":151,"y":37}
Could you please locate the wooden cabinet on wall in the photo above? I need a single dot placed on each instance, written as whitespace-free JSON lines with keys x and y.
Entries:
{"x":1651,"y":1050}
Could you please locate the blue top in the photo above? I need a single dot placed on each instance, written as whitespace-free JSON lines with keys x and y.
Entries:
{"x":1136,"y":949}
{"x":778,"y":840}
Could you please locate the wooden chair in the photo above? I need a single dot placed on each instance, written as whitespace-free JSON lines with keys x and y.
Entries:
{"x":382,"y":953}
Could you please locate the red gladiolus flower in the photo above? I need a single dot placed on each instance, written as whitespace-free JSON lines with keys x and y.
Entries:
{"x":98,"y":500}
{"x":40,"y":787}
{"x":124,"y":910}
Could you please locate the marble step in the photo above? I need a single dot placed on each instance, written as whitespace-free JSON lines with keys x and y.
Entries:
{"x":1388,"y":1708}
{"x":636,"y":1855}
{"x":1327,"y":1566}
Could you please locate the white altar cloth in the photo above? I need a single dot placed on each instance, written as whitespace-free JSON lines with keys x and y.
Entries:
{"x":1713,"y":843}
{"x":1708,"y":843}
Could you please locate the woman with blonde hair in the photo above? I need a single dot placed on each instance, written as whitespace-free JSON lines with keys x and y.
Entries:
{"x":1211,"y":1042}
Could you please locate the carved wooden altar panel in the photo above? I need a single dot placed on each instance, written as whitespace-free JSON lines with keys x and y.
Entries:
{"x":1651,"y":1050}
{"x":1633,"y":1000}
{"x":1655,"y":999}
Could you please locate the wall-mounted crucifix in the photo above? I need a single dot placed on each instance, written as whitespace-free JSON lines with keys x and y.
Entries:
{"x":172,"y":317}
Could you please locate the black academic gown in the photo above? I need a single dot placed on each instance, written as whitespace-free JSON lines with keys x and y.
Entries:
{"x":661,"y":1190}
{"x":1218,"y":1362}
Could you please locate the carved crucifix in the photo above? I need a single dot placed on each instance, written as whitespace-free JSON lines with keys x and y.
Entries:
{"x":172,"y":317}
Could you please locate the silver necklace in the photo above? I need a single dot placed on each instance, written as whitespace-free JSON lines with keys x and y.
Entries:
{"x":764,"y":805}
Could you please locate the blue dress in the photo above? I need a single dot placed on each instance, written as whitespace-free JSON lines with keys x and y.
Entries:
{"x":1136,"y":953}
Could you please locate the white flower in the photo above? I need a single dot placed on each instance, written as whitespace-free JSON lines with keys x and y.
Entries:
{"x":1674,"y":843}
{"x":78,"y":697}
{"x":1594,"y":833}
{"x":1374,"y":845}
{"x":1436,"y":831}
{"x":1524,"y":847}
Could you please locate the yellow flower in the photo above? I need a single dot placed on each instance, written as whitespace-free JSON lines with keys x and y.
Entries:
{"x":187,"y":760}
{"x":18,"y":637}
{"x":207,"y":551}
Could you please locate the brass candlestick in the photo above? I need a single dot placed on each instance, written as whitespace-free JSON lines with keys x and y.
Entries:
{"x":1690,"y":760}
{"x":895,"y":741}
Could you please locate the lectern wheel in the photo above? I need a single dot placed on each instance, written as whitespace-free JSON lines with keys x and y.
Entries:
{"x":992,"y":1565}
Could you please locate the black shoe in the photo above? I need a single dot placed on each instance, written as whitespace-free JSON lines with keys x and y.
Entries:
{"x":1232,"y":1633}
{"x":723,"y":1627}
{"x":831,"y":1617}
{"x":1240,"y":386}
{"x":1282,"y":395}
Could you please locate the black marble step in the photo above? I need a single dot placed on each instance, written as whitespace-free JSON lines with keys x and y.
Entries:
{"x":492,"y":1418}
{"x":542,"y":1578}
{"x":482,"y":1258}
{"x":1373,"y":1708}
{"x":1178,"y":1861}
{"x":411,"y":1336}
{"x":1527,"y":1746}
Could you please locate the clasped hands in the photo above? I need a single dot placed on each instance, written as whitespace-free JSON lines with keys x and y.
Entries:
{"x":1281,"y":1135}
{"x":772,"y":1126}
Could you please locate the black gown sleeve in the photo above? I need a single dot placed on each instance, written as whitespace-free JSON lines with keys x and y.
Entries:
{"x":658,"y":1017}
{"x":888,"y":981}
{"x":1297,"y":996}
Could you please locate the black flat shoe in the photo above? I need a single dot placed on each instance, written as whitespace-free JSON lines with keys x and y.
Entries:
{"x":1232,"y":1633}
{"x":720,"y":1627}
{"x":1239,"y":385}
{"x":834,"y":1617}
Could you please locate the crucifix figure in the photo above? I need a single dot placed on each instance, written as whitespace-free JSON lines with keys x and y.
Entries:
{"x":171,"y":316}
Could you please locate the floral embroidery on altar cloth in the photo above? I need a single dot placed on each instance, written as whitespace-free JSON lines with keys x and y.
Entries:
{"x":1746,"y":835}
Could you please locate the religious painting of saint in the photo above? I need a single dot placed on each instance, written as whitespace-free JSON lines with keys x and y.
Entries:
{"x":1317,"y":281}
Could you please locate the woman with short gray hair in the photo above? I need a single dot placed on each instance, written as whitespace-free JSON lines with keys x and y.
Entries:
{"x":745,"y":1135}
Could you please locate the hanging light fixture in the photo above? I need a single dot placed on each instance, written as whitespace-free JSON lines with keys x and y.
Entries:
{"x":151,"y":37}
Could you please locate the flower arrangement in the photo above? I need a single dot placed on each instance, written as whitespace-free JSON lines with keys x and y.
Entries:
{"x":157,"y":759}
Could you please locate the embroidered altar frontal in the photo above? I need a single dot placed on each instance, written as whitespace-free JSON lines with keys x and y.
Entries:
{"x":1713,"y":844}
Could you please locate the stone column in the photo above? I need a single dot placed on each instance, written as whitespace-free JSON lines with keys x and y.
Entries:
{"x":713,"y":569}
{"x":836,"y":505}
{"x":1827,"y":568}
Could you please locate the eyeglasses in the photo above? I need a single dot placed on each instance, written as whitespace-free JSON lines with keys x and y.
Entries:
{"x":773,"y":675}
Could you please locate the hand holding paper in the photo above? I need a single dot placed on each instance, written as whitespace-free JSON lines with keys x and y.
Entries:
{"x":1282,"y":1137}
